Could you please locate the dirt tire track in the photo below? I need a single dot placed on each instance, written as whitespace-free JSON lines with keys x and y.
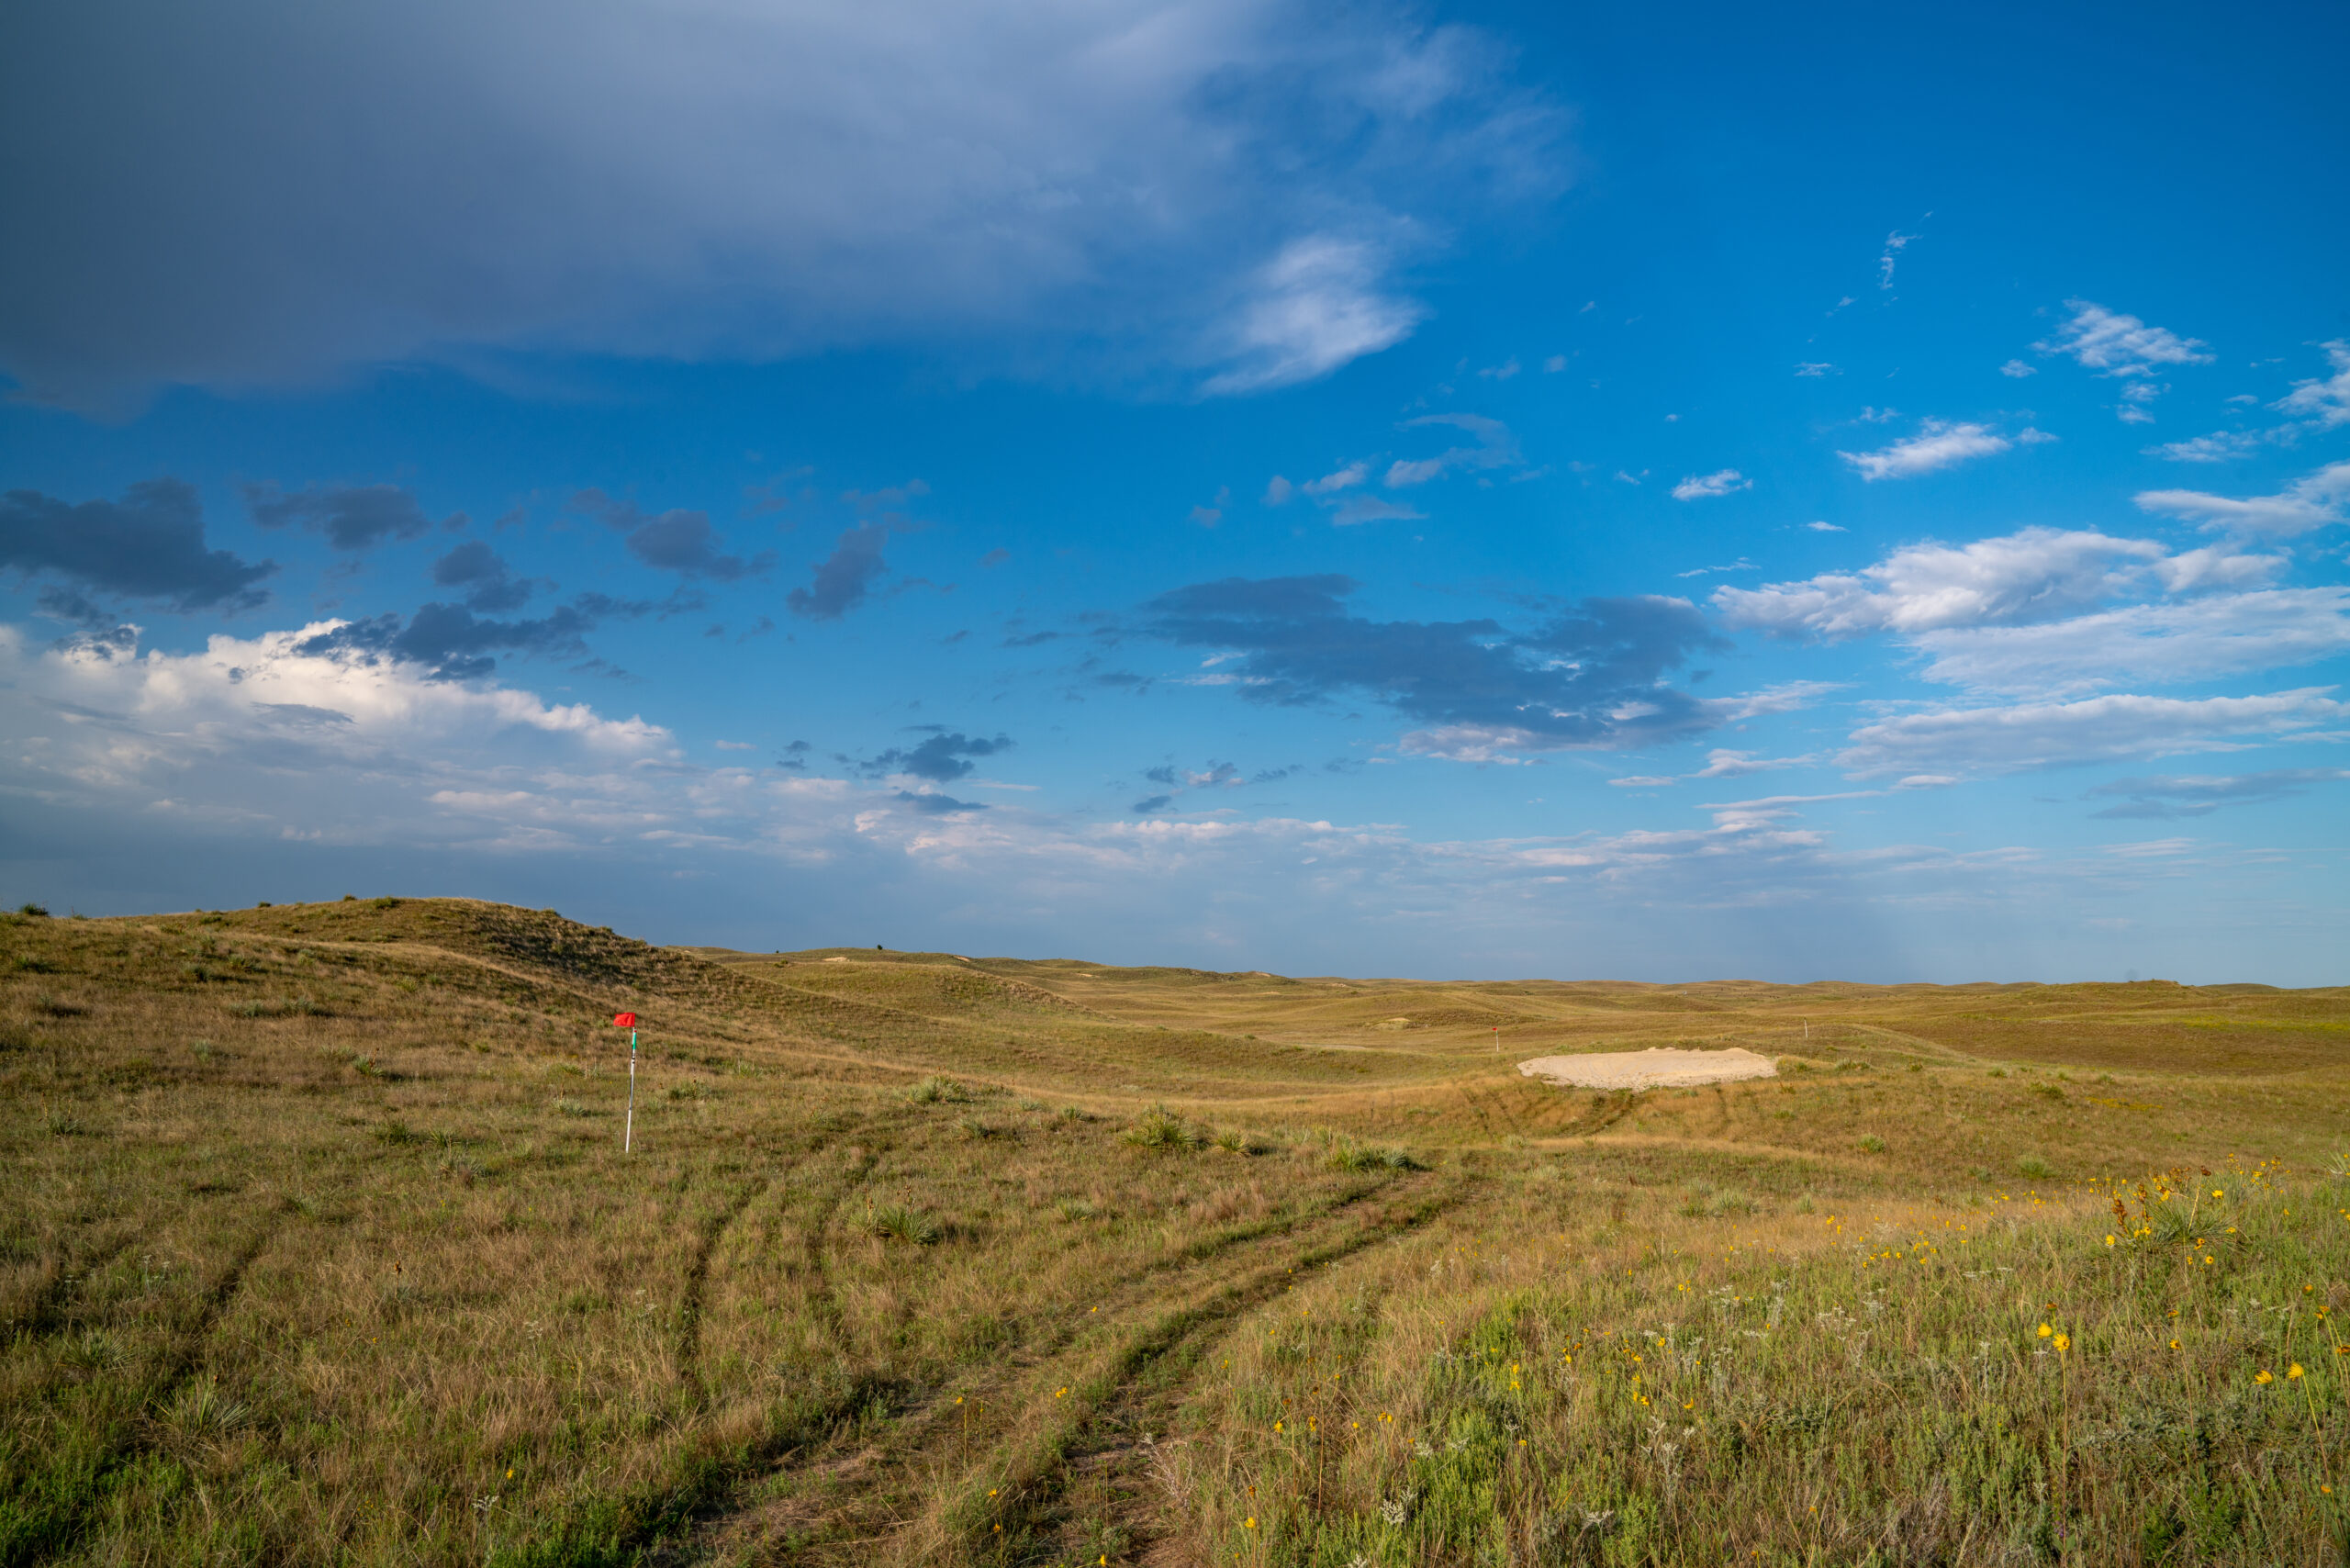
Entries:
{"x":689,"y":1306}
{"x":1181,"y":1340}
{"x":920,"y":1427}
{"x":171,"y":1374}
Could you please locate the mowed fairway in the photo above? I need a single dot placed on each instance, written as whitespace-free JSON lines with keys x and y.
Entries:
{"x":319,"y":1246}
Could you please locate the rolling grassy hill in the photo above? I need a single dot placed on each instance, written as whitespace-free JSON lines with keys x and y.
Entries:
{"x":319,"y":1246}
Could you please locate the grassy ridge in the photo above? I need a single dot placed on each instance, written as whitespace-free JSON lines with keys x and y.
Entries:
{"x":320,"y":1247}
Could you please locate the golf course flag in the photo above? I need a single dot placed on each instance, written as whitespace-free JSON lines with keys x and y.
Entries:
{"x":628,"y":1128}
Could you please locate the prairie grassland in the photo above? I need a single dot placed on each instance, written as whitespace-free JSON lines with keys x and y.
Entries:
{"x":319,"y":1246}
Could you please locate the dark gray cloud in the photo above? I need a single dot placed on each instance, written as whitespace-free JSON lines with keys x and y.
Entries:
{"x":1592,"y":677}
{"x":939,"y":805}
{"x":488,"y":582}
{"x":942,"y":758}
{"x":1164,"y":775}
{"x":1154,"y":804}
{"x":678,"y":541}
{"x":351,"y":517}
{"x":264,"y":192}
{"x":149,"y":545}
{"x":456,"y":644}
{"x":842,"y":579}
{"x":2194,"y":795}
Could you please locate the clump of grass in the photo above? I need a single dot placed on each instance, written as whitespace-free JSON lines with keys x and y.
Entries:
{"x":1240,"y":1142}
{"x":938,"y":1090}
{"x":202,"y":1414}
{"x":1077,"y":1208}
{"x":902,"y":1221}
{"x":2046,"y":1091}
{"x":974,"y":1128}
{"x":565,"y":1106}
{"x":398,"y":1134}
{"x":1872,"y":1143}
{"x":1349,"y":1156}
{"x":1703,"y":1200}
{"x":1161,"y":1128}
{"x":2033,"y":1167}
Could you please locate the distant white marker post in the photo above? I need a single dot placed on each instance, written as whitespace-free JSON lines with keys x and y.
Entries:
{"x":628,"y":1128}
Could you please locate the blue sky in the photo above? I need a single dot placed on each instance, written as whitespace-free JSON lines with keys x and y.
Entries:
{"x":1454,"y":491}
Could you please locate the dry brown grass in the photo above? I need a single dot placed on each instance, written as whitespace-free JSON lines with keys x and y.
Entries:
{"x":320,"y":1246}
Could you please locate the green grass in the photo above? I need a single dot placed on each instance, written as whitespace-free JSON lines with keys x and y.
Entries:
{"x":320,"y":1247}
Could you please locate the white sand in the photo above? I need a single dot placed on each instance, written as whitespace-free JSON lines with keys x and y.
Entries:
{"x":1655,"y":1068}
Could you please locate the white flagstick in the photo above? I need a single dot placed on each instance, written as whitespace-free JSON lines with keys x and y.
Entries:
{"x":628,"y":1128}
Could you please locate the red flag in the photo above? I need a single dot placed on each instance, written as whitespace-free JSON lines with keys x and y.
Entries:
{"x":624,"y":1020}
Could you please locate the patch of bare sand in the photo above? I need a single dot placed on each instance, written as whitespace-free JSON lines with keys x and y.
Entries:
{"x":1656,"y":1068}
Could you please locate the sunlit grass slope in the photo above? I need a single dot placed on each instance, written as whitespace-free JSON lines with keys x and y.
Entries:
{"x":319,"y":1246}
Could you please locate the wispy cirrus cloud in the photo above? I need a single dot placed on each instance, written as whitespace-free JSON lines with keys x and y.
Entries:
{"x":2111,"y":343}
{"x":2314,"y":501}
{"x":1323,"y":302}
{"x":2097,"y":729}
{"x":1721,"y":481}
{"x":2200,"y":794}
{"x":1938,"y":444}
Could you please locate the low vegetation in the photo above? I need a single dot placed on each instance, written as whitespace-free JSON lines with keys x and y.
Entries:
{"x":321,"y":1247}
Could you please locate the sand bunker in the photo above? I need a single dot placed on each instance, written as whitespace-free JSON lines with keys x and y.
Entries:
{"x":1652,"y":1068}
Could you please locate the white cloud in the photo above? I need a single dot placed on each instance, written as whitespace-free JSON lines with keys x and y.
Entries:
{"x":1555,"y":363}
{"x":1322,"y":302}
{"x":2325,"y":402}
{"x":1937,"y":445}
{"x":2113,"y":345}
{"x":2097,"y":729}
{"x":1278,"y":492}
{"x":1373,"y":509}
{"x":1475,"y":743}
{"x":347,"y":746}
{"x":1895,"y":244}
{"x":2215,"y":567}
{"x":2220,"y":447}
{"x":1817,"y":368}
{"x":175,"y":786}
{"x":2018,"y":369}
{"x":744,"y":180}
{"x":2163,"y":644}
{"x":1502,"y":372}
{"x":1722,"y":482}
{"x":1721,"y":764}
{"x":2309,"y":503}
{"x":1823,"y":528}
{"x":2036,"y":574}
{"x":1344,"y":479}
{"x":1495,"y":448}
{"x":735,"y":745}
{"x":1642,"y":781}
{"x":1786,"y":697}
